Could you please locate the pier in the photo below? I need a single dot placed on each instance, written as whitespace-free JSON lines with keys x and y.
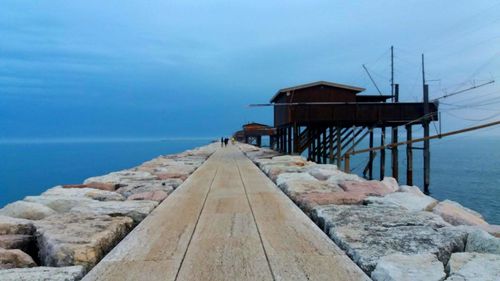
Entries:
{"x":227,"y":221}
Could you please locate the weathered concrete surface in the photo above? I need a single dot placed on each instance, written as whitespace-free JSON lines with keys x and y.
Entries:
{"x":42,"y":273}
{"x":228,"y":221}
{"x":399,"y":267}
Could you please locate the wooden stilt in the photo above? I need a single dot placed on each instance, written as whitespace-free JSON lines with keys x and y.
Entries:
{"x":323,"y":146}
{"x":309,"y":147}
{"x":372,"y":154}
{"x":394,"y":154}
{"x":339,"y":148}
{"x":382,"y":153}
{"x":313,"y":145}
{"x":318,"y":146}
{"x":427,"y":153}
{"x":296,"y":132}
{"x":409,"y":156}
{"x":331,"y":144}
{"x":289,"y":139}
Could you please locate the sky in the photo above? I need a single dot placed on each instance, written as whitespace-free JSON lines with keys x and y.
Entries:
{"x":139,"y":69}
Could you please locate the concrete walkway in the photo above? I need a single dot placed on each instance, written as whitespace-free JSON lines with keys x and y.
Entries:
{"x":228,"y":221}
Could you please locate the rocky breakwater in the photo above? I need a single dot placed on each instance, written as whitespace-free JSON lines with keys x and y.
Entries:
{"x":63,"y":232}
{"x":392,"y":231}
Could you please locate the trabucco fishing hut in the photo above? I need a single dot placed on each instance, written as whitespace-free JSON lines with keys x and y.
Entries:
{"x":328,"y":120}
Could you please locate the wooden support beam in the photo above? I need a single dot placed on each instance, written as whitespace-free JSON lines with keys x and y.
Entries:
{"x":427,"y":153}
{"x":283,"y":136}
{"x":289,"y":138}
{"x":372,"y":154}
{"x":394,"y":154}
{"x":313,"y":144}
{"x":382,"y":153}
{"x":309,"y":148}
{"x":296,"y":132}
{"x":409,"y":156}
{"x":318,"y":146}
{"x":283,"y":140}
{"x":339,"y":147}
{"x":324,"y":146}
{"x":331,"y":144}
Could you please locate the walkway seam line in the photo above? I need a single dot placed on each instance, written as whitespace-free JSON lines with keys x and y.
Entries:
{"x":196,"y":224}
{"x":254,"y":220}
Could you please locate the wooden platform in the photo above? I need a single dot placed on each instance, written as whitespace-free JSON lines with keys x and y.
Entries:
{"x":228,"y":221}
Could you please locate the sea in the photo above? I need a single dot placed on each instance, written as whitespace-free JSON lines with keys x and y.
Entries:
{"x":463,"y":169}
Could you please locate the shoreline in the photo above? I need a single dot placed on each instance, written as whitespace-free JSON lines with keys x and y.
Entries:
{"x":65,"y":231}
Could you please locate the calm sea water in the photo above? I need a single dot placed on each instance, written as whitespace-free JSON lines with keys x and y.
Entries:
{"x":464,"y":169}
{"x":29,"y":168}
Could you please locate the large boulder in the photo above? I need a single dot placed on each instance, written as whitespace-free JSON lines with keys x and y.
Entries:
{"x":95,"y":185}
{"x":290,"y":160}
{"x":323,"y":172}
{"x":273,"y":171}
{"x":457,"y":214}
{"x":296,"y":187}
{"x":15,"y":258}
{"x":42,"y":273}
{"x":482,"y":242}
{"x":341,"y":177}
{"x":78,"y":239}
{"x":137,"y":210}
{"x":492,"y":229}
{"x":166,"y":186}
{"x":374,"y":187}
{"x":309,"y":201}
{"x":408,"y":200}
{"x":60,"y":204}
{"x":474,"y":267}
{"x":121,"y":177}
{"x":157,"y":196}
{"x":399,"y":267}
{"x":391,"y":183}
{"x":179,"y":168}
{"x":287,"y":177}
{"x":26,"y":210}
{"x":86,"y":193}
{"x":9,"y":225}
{"x":18,"y":241}
{"x":370,"y":232}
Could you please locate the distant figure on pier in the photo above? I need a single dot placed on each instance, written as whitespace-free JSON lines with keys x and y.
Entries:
{"x":226,"y":140}
{"x":233,"y":140}
{"x":222,"y":142}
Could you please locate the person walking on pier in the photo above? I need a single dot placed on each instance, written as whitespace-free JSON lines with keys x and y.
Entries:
{"x":221,"y":141}
{"x":226,"y":140}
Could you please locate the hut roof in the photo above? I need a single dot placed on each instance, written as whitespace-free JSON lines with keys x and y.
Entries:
{"x":314,"y":84}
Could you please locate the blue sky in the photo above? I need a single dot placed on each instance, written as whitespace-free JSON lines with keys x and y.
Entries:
{"x":190,"y":68}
